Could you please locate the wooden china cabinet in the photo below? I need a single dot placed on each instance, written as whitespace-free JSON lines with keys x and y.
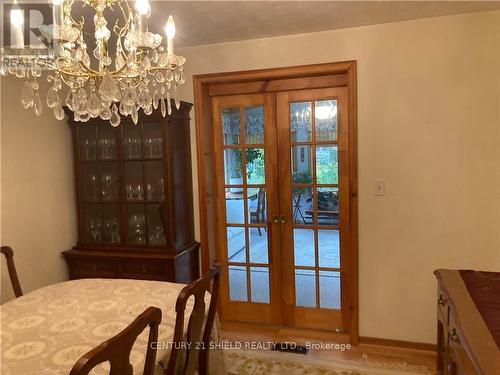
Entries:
{"x":134,"y":199}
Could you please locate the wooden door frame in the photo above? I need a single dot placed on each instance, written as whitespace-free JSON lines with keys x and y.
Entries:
{"x":338,"y":74}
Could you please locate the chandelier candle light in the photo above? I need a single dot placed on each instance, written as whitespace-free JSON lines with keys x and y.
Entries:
{"x":142,"y":75}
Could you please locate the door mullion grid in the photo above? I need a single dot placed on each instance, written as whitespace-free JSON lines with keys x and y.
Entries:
{"x":245,"y":199}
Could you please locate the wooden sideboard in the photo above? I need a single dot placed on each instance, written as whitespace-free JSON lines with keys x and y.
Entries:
{"x":466,"y":345}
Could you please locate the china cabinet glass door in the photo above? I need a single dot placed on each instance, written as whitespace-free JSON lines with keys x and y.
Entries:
{"x":122,"y":173}
{"x":100,"y":177}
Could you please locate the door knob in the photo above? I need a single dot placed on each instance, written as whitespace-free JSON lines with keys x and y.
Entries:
{"x":282,"y":219}
{"x":276,"y":219}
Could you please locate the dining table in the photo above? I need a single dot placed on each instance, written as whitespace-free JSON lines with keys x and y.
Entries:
{"x":47,"y":330}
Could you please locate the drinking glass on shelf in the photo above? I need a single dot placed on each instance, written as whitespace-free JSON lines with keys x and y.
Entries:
{"x":149,"y":192}
{"x":89,"y":149}
{"x":93,"y":187}
{"x":140,"y":192}
{"x":136,"y":225}
{"x":95,"y":229}
{"x":150,"y":147}
{"x":107,"y":187}
{"x":157,"y":147}
{"x":156,"y":236}
{"x":111,"y":230}
{"x":161,"y":189}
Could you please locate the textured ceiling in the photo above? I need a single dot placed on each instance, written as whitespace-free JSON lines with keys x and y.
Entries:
{"x":205,"y":22}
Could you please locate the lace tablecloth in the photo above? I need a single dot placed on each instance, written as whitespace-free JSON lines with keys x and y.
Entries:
{"x":48,"y":330}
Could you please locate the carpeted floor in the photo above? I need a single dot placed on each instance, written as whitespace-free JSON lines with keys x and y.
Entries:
{"x":263,"y":362}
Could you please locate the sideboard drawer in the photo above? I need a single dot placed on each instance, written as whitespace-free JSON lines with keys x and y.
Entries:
{"x":89,"y":268}
{"x":143,"y":269}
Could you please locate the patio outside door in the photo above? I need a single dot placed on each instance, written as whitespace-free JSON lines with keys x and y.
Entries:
{"x":283,"y":203}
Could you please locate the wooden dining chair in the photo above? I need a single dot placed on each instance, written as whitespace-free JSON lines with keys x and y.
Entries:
{"x":196,"y":337}
{"x":11,"y":267}
{"x":117,"y":349}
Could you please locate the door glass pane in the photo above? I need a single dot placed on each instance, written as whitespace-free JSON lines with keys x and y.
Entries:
{"x":259,"y":277}
{"x":132,"y":147}
{"x":107,"y":142}
{"x":88,"y":142}
{"x":329,"y":248}
{"x":231,"y":126}
{"x":305,"y":288}
{"x":327,"y":171}
{"x":329,"y":290}
{"x":109,"y":181}
{"x":255,"y":165}
{"x":301,"y":164}
{"x":133,"y":181}
{"x":238,"y":283}
{"x":153,"y":140}
{"x":111,"y":224}
{"x":155,"y":184}
{"x":300,"y":122}
{"x":90,"y":183}
{"x":325,"y":116}
{"x":258,"y":247}
{"x":136,"y":224}
{"x":303,"y":246}
{"x":257,"y":205}
{"x":232,"y":167}
{"x":235,"y":206}
{"x":254,"y":125}
{"x":236,"y":244}
{"x":156,"y":224}
{"x":302,"y":206}
{"x":93,"y":223}
{"x":328,"y":206}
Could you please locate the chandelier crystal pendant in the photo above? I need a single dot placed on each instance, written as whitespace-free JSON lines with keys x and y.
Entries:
{"x":140,"y":73}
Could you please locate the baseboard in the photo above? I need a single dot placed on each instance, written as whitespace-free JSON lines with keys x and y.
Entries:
{"x":397,"y":343}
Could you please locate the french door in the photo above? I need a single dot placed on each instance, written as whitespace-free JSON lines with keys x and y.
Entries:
{"x":282,"y":181}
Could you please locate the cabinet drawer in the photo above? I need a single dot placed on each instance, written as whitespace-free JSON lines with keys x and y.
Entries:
{"x":459,"y":360}
{"x":91,"y":268}
{"x":154,"y":270}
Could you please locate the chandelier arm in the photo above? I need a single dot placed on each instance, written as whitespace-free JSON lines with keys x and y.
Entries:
{"x":68,"y":10}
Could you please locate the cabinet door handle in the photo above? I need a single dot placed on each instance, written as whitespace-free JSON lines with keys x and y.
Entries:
{"x":454,"y":337}
{"x":276,"y":219}
{"x":441,"y":301}
{"x":283,"y":219}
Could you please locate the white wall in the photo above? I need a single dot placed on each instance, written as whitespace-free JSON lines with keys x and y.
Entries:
{"x":38,"y":213}
{"x":429,"y":125}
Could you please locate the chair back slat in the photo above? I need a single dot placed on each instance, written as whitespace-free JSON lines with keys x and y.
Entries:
{"x":196,"y":338}
{"x":11,"y":267}
{"x":117,"y":350}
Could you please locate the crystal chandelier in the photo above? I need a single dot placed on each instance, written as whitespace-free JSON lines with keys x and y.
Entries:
{"x":143,"y":73}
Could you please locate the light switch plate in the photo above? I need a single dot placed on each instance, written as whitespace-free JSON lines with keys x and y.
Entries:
{"x":380,"y":188}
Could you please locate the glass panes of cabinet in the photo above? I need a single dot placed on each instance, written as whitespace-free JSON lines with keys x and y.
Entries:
{"x":88,"y":142}
{"x":111,"y":230}
{"x":134,"y":189}
{"x":136,"y":222}
{"x":107,"y":142}
{"x":156,"y":232}
{"x":152,"y":140}
{"x":109,"y":181}
{"x":155,"y":183}
{"x":132,"y":145}
{"x":90,"y":183}
{"x":92,"y":223}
